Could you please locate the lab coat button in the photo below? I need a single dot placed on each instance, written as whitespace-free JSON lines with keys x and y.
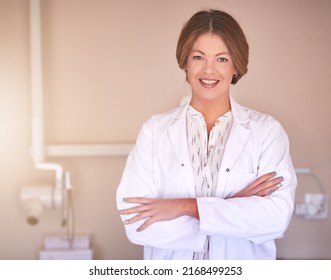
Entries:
{"x":227,"y":170}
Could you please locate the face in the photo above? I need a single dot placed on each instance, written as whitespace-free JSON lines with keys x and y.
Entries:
{"x":210,"y":69}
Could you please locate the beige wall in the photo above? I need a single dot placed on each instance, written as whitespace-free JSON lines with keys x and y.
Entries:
{"x":109,"y":65}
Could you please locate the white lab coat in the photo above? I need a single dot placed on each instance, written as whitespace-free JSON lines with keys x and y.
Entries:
{"x":239,"y":228}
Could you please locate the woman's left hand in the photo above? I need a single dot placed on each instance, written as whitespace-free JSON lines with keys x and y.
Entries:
{"x":156,"y":210}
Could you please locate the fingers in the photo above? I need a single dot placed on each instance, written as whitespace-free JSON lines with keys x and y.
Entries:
{"x":136,"y":218}
{"x":152,"y":210}
{"x":268,"y":187}
{"x":262,"y":179}
{"x":146,"y":224}
{"x":262,"y":186}
{"x":132,"y":210}
{"x":136,"y":209}
{"x":143,"y":211}
{"x":268,"y":191}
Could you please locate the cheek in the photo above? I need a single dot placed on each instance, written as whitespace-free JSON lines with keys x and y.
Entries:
{"x":193,"y":72}
{"x":193,"y":66}
{"x":227,"y":72}
{"x":190,"y":74}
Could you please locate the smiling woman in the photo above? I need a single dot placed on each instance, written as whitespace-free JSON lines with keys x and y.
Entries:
{"x":218,"y":23}
{"x":210,"y":179}
{"x":210,"y":71}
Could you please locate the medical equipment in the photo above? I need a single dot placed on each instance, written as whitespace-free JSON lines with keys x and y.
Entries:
{"x":315,"y":205}
{"x":61,"y":248}
{"x":36,"y":198}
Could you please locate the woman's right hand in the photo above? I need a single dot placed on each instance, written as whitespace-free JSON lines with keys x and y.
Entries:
{"x":262,"y":186}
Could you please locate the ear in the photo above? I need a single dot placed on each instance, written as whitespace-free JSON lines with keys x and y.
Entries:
{"x":234,"y":78}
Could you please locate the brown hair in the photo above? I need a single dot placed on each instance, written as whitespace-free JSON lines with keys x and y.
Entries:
{"x":222,"y":24}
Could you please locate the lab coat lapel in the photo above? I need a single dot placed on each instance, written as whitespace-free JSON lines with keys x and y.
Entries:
{"x":236,"y":141}
{"x":178,"y":139}
{"x":238,"y":136}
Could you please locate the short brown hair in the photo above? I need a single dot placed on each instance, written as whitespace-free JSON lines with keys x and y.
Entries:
{"x":222,"y":24}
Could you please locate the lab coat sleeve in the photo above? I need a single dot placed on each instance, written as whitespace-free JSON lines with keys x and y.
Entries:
{"x":137,"y":181}
{"x":258,"y":219}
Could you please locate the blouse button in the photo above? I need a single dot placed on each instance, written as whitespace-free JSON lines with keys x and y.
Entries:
{"x":227,"y":170}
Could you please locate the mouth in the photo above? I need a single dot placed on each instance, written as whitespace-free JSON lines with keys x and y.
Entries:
{"x":209,"y":83}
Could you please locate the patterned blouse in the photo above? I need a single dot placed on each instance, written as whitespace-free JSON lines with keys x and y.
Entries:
{"x":206,"y":155}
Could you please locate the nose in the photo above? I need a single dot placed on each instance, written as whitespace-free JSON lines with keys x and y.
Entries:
{"x":209,"y":67}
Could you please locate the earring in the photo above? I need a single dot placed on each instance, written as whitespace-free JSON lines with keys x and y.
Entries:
{"x":234,"y":79}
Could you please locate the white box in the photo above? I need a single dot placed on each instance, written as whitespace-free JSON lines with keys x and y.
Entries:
{"x":74,"y":254}
{"x":62,"y":242}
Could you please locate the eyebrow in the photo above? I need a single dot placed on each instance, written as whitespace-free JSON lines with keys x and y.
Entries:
{"x":221,"y":53}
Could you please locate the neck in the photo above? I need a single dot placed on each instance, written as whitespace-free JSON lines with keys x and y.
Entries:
{"x":211,"y":109}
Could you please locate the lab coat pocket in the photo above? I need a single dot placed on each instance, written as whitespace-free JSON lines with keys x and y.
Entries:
{"x":238,"y":181}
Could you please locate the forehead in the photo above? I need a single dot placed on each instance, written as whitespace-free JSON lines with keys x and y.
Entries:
{"x":210,"y":43}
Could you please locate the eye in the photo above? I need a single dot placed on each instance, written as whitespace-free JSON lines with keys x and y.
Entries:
{"x":197,"y":57}
{"x":222,"y":59}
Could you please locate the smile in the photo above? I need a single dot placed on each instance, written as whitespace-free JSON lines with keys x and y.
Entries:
{"x":209,"y":82}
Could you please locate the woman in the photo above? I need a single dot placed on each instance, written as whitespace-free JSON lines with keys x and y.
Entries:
{"x":212,"y":179}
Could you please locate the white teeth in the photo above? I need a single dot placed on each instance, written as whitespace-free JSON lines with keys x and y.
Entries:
{"x":209,"y":82}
